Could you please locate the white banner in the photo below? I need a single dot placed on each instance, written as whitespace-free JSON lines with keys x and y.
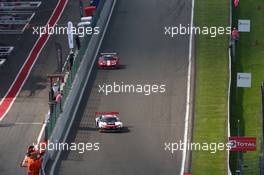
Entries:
{"x":243,"y":25}
{"x":70,"y":35}
{"x":243,"y":79}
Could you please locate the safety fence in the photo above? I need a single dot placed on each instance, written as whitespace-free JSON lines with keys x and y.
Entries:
{"x":64,"y":80}
{"x":229,"y":86}
{"x":232,"y":60}
{"x":243,"y":166}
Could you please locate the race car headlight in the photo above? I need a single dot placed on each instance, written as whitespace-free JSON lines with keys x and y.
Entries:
{"x":103,"y":123}
{"x":119,"y":124}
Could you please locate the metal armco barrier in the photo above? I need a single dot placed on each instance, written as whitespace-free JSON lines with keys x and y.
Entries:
{"x":229,"y":89}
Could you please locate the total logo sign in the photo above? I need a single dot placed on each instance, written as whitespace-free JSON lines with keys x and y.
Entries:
{"x":242,"y":143}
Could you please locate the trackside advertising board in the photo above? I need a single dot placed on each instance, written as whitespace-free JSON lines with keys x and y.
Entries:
{"x":242,"y":143}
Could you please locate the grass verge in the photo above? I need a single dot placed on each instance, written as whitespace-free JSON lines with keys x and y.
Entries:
{"x":211,"y":87}
{"x":246,"y":102}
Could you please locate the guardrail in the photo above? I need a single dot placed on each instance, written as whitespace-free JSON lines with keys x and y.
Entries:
{"x":229,"y":85}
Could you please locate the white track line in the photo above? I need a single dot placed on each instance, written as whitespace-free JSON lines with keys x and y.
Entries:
{"x":28,"y":123}
{"x":21,"y":123}
{"x":13,"y":100}
{"x":187,"y":113}
{"x":41,"y":133}
{"x":82,"y":92}
{"x":228,"y":114}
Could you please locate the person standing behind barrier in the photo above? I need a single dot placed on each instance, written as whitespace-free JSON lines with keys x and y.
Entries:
{"x":58,"y":100}
{"x":78,"y":42}
{"x":71,"y":58}
{"x":234,"y":39}
{"x":56,"y":89}
{"x":235,"y":34}
{"x":236,"y":3}
{"x":58,"y":97}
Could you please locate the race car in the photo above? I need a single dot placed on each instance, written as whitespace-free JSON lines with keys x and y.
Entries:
{"x":108,"y":121}
{"x":108,"y":60}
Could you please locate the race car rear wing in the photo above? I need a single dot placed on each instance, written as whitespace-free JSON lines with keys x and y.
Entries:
{"x":109,"y":53}
{"x":106,"y":113}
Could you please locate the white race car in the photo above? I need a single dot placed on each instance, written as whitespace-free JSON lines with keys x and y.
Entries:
{"x":108,"y":121}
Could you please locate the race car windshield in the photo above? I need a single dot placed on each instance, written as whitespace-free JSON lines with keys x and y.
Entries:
{"x":108,"y":57}
{"x":110,"y":119}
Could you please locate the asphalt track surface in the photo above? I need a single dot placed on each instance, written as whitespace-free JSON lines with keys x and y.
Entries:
{"x":136,"y":32}
{"x":23,"y":122}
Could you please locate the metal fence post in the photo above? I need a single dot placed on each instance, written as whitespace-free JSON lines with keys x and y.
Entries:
{"x":233,"y":50}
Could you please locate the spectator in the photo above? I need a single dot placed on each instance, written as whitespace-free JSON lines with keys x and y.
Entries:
{"x":30,"y":161}
{"x":51,"y":95}
{"x":58,"y":97}
{"x":58,"y":100}
{"x":56,"y":89}
{"x":27,"y":160}
{"x":235,"y":34}
{"x":35,"y":167}
{"x":78,"y":42}
{"x":71,"y":58}
{"x":31,"y":149}
{"x":236,"y":3}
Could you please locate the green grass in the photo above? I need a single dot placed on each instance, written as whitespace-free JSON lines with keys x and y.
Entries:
{"x":211,"y":87}
{"x":246,"y":102}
